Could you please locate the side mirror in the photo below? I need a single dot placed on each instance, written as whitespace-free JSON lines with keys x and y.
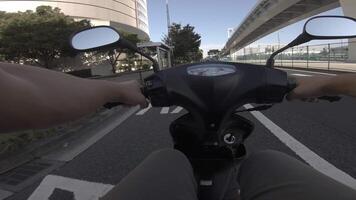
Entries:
{"x":330,"y":27}
{"x":321,"y":28}
{"x":99,"y":38}
{"x":104,"y":38}
{"x":93,"y":38}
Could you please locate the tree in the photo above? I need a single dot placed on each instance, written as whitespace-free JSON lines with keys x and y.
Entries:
{"x":114,"y":55}
{"x":38,"y":37}
{"x":186,"y":43}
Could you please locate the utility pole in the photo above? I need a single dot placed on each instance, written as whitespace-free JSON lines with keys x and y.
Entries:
{"x":279,"y":46}
{"x":170,"y":55}
{"x":168,"y":17}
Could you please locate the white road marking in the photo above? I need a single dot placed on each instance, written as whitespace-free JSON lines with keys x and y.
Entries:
{"x":311,"y":72}
{"x":83,"y":190}
{"x":68,"y":153}
{"x":4,"y":194}
{"x":301,"y":75}
{"x":304,"y":152}
{"x":165,"y":110}
{"x":143,"y":111}
{"x":177,"y":110}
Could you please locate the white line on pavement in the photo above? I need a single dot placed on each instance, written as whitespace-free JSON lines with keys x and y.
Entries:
{"x":165,"y":110}
{"x":4,"y":194}
{"x":83,"y":190}
{"x":304,"y":152}
{"x":301,"y":75}
{"x":74,"y":150}
{"x":177,"y":110}
{"x":143,"y":111}
{"x":311,"y":72}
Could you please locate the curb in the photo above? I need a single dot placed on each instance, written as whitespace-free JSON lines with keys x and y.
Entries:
{"x":41,"y":148}
{"x":318,"y":70}
{"x":119,"y":74}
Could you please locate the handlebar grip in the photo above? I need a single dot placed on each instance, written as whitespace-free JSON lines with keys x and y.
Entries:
{"x":112,"y":105}
{"x":330,"y":98}
{"x":292,"y":83}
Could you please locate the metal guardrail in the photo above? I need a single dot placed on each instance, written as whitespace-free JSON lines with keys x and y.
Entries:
{"x":331,"y":56}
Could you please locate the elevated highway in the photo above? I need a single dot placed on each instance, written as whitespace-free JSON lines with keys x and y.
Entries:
{"x":271,"y":15}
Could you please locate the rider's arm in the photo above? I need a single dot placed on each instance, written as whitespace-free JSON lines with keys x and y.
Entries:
{"x":316,"y":86}
{"x":33,"y":97}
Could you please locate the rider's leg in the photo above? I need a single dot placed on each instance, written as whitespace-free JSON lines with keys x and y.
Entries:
{"x":272,"y":175}
{"x":165,"y":174}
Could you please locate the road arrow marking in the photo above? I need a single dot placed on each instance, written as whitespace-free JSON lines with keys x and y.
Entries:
{"x":82,"y":190}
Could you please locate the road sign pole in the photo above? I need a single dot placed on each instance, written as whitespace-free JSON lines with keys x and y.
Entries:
{"x":307,"y":56}
{"x":328,"y":56}
{"x":292,"y":57}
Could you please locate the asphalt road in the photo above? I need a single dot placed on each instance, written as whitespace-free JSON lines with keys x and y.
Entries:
{"x":326,"y":129}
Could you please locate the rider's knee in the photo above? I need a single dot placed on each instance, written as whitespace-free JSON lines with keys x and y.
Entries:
{"x":266,"y":155}
{"x":263,"y":160}
{"x":171,"y":155}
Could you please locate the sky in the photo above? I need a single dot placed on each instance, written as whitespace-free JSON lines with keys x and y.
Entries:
{"x":212,"y":18}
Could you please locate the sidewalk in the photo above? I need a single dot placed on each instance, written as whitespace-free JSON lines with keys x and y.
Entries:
{"x":333,"y":66}
{"x":24,"y":150}
{"x":303,"y":64}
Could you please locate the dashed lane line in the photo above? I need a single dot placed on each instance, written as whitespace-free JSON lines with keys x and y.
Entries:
{"x":165,"y":110}
{"x":304,"y":152}
{"x":143,"y":111}
{"x":177,"y":110}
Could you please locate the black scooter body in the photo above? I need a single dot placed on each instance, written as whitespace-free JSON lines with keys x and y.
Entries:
{"x":211,"y":134}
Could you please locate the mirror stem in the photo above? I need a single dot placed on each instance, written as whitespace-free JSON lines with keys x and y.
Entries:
{"x":154,"y":62}
{"x":302,"y":38}
{"x":134,"y":48}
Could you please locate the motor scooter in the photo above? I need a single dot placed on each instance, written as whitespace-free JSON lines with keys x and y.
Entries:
{"x":212,"y":133}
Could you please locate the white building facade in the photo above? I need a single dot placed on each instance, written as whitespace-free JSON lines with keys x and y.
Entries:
{"x":125,"y":15}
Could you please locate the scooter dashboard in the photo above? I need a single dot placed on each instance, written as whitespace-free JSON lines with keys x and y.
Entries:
{"x":211,"y":70}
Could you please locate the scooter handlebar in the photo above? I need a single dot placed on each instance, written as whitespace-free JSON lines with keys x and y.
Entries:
{"x":111,"y":105}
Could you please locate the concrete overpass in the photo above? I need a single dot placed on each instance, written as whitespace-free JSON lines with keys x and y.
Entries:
{"x":271,"y":15}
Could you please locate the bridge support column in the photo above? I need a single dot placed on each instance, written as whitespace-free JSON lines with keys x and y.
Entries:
{"x":349,"y":8}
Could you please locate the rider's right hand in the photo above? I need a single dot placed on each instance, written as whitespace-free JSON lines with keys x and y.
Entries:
{"x":317,"y":86}
{"x":129,"y":93}
{"x":309,"y":88}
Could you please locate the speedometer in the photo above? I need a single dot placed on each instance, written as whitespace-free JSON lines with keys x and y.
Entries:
{"x":211,"y":70}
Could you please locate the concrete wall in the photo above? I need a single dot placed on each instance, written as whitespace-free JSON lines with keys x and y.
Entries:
{"x":120,"y":13}
{"x":349,"y":8}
